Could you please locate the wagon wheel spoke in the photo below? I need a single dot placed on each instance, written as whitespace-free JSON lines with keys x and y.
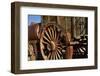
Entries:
{"x":52,"y":55}
{"x":58,"y":37}
{"x":84,"y":49}
{"x":46,"y":39}
{"x":49,"y":55}
{"x":49,"y":32}
{"x":47,"y":35}
{"x":79,"y":52}
{"x":55,"y":34}
{"x":58,"y":56}
{"x":59,"y":51}
{"x":45,"y":43}
{"x":52,"y":33}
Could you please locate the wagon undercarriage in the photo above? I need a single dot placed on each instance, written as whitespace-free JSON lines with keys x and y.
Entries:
{"x":52,"y":43}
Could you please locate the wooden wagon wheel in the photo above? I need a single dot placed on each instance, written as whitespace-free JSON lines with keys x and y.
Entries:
{"x":80,"y":50}
{"x":52,"y":43}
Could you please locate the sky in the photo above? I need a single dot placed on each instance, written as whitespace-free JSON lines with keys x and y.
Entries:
{"x":34,"y":18}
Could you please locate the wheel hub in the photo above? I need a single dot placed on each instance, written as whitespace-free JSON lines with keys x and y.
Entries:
{"x":53,"y":45}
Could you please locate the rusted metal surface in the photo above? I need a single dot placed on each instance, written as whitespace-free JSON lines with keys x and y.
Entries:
{"x":33,"y":31}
